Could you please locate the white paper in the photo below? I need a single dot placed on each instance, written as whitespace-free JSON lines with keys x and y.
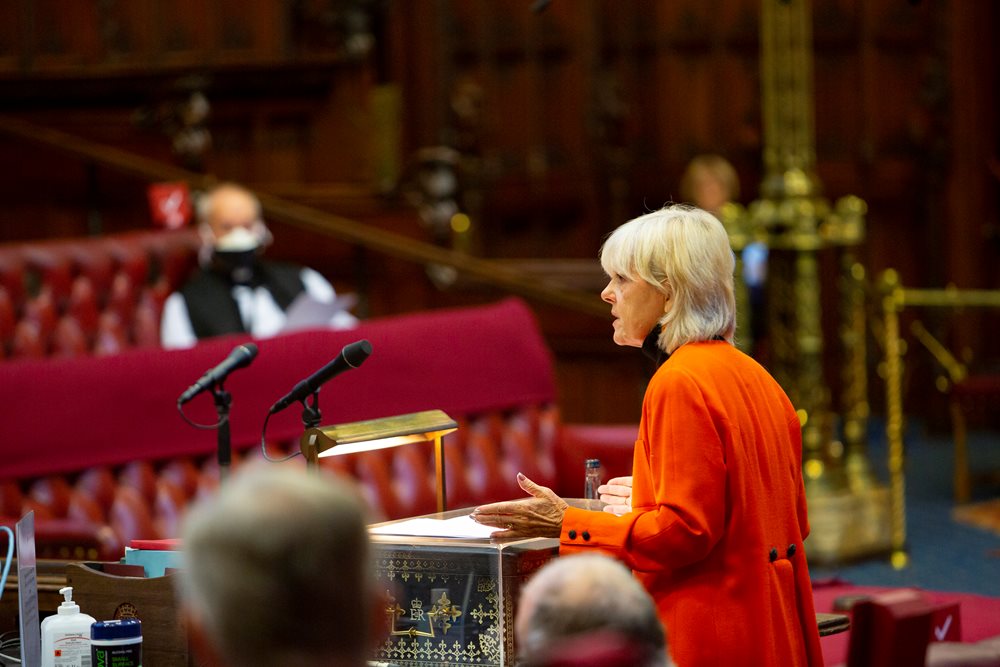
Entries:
{"x":460,"y":526}
{"x":308,"y":313}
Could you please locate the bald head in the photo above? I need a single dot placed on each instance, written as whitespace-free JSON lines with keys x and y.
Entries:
{"x":574,"y":596}
{"x":228,"y":207}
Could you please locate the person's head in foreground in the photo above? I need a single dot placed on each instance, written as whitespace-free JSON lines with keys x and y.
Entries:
{"x":276,"y":572}
{"x":671,"y":268}
{"x":588,"y":610}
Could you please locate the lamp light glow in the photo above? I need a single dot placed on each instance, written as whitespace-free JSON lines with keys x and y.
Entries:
{"x":372,"y":434}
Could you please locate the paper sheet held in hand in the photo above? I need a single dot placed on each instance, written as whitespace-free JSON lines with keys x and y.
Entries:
{"x":460,"y":526}
{"x":305,"y":312}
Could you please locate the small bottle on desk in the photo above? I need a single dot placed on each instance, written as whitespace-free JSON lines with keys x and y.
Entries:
{"x":592,"y":480}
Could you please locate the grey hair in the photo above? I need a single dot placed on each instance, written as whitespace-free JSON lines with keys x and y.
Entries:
{"x":683,"y":252}
{"x":573,"y":595}
{"x":277,"y":569}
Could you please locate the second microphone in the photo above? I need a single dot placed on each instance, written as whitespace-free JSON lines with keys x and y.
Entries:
{"x":352,"y":356}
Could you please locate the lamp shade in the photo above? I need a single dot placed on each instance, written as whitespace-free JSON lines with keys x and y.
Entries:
{"x":364,"y":436}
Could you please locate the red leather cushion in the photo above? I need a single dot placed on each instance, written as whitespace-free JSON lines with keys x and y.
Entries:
{"x":82,"y":305}
{"x":27,"y":342}
{"x":53,"y":493}
{"x":130,"y":517}
{"x":139,"y":475}
{"x":98,"y":484}
{"x":68,"y":339}
{"x":11,"y":499}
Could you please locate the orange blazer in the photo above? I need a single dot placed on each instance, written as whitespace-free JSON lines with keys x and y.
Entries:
{"x":718,"y":514}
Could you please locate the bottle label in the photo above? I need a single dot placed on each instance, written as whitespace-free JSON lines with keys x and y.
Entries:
{"x":71,"y":651}
{"x":118,"y":656}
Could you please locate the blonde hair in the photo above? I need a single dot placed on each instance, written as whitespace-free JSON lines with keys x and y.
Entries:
{"x":684,"y":253}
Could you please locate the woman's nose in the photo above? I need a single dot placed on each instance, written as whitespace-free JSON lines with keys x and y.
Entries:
{"x":608,"y":294}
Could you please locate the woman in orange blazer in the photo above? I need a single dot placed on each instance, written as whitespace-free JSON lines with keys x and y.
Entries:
{"x":718,"y":512}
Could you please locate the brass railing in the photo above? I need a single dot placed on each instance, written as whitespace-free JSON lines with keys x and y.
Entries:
{"x":492,"y":273}
{"x":895,"y":298}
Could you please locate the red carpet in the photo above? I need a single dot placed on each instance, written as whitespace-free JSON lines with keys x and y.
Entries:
{"x":980,"y":616}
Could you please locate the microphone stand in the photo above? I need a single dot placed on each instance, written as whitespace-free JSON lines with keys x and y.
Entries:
{"x":311,"y":418}
{"x":223,"y":401}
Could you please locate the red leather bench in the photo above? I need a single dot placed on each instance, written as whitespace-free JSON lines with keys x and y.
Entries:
{"x":101,"y":295}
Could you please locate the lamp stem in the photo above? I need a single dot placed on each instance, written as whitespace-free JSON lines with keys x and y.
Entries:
{"x":442,"y":503}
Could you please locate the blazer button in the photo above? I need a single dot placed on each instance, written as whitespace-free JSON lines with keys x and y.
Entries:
{"x":773,"y":554}
{"x":791,"y":550}
{"x":572,"y":534}
{"x":586,"y":536}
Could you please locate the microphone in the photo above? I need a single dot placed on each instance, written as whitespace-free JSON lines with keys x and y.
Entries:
{"x":351,"y":356}
{"x":240,"y":357}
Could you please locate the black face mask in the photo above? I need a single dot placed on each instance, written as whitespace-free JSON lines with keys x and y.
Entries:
{"x":237,"y":265}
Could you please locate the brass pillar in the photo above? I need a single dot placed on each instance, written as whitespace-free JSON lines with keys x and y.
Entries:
{"x":797,"y":224}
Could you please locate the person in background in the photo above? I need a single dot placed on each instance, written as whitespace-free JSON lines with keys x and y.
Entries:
{"x":718,"y":506}
{"x":236,"y":290}
{"x":588,"y":609}
{"x":710,"y":182}
{"x":277,"y":572}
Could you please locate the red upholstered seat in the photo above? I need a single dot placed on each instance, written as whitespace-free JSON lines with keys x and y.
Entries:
{"x":51,"y":266}
{"x":130,"y":517}
{"x":27,"y":341}
{"x":11,"y":498}
{"x":42,"y":312}
{"x":92,"y":262}
{"x":97,"y":484}
{"x":68,"y":338}
{"x":139,"y":475}
{"x":83,"y":507}
{"x":109,"y":289}
{"x":82,"y":305}
{"x":7,"y":322}
{"x":53,"y":493}
{"x":111,"y":336}
{"x":168,"y":510}
{"x":12,"y":272}
{"x":183,"y":474}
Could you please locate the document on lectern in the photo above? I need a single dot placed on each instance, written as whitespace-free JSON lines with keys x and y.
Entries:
{"x":458,"y":527}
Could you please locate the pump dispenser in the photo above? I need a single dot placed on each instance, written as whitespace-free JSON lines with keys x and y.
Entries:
{"x":66,"y":636}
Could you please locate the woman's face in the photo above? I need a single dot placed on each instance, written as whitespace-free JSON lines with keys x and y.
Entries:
{"x":636,"y":306}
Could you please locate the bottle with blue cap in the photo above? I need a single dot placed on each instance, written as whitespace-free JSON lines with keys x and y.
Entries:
{"x":66,"y":635}
{"x":116,"y":643}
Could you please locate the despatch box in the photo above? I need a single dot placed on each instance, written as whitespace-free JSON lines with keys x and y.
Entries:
{"x":450,"y":601}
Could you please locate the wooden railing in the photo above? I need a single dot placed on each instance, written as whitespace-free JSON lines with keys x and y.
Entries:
{"x":493,"y":273}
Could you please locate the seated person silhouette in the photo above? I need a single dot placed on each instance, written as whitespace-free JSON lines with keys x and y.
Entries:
{"x":236,"y":290}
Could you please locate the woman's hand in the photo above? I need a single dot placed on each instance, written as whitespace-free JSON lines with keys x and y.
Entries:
{"x":538,"y":516}
{"x":617,"y":495}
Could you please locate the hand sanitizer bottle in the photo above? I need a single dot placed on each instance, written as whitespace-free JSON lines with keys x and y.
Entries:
{"x":66,"y":635}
